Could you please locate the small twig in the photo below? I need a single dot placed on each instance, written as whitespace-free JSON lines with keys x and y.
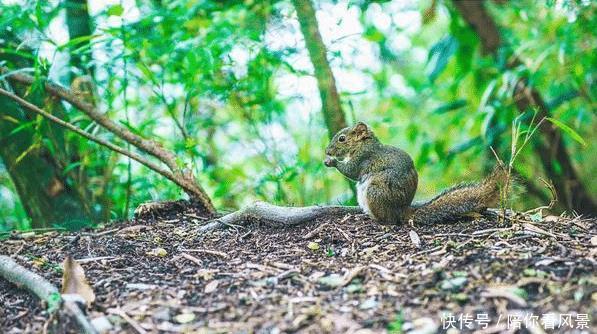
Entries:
{"x":344,"y":234}
{"x":315,"y":231}
{"x":99,"y":258}
{"x":350,"y":275}
{"x":192,"y":258}
{"x":491,"y":230}
{"x":448,"y":235}
{"x":194,"y":216}
{"x":99,"y":234}
{"x":119,"y":312}
{"x":536,"y":229}
{"x":430,"y":250}
{"x":286,"y":274}
{"x":260,"y":267}
{"x":134,"y":228}
{"x":206,"y":251}
{"x":15,"y":253}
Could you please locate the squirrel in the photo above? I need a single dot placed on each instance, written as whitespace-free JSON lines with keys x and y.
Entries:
{"x":387,"y":181}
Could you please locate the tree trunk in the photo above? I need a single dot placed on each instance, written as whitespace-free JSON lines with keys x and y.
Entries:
{"x":330,"y":100}
{"x":79,"y":24}
{"x":46,"y":193}
{"x":571,"y":191}
{"x":43,"y":189}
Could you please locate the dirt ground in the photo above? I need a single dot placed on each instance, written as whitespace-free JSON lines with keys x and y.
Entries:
{"x":339,"y":274}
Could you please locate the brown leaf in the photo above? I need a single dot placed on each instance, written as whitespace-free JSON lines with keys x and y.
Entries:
{"x":74,"y":281}
{"x":414,"y":238}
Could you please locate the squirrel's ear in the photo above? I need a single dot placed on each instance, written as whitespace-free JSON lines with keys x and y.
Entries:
{"x":361,"y":130}
{"x":361,"y":127}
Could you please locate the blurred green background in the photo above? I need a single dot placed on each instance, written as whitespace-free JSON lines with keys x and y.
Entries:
{"x":229,"y":87}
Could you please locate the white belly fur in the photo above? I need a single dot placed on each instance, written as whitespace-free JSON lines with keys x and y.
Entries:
{"x":362,"y":194}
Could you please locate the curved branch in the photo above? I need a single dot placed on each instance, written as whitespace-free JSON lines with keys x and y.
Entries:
{"x":183,"y":183}
{"x":192,"y":187}
{"x":278,"y":216}
{"x":148,"y":146}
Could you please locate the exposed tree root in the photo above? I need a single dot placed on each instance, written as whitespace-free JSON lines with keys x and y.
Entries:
{"x":279,"y":216}
{"x":19,"y":276}
{"x":44,"y":290}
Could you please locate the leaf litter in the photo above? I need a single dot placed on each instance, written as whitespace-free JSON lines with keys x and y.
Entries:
{"x":362,"y":277}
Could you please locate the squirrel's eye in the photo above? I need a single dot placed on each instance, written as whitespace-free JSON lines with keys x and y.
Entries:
{"x":342,"y":138}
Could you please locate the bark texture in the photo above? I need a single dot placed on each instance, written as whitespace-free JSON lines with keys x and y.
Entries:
{"x":79,"y":25}
{"x":330,"y":99}
{"x":48,"y":195}
{"x":279,"y":216}
{"x":44,"y":290}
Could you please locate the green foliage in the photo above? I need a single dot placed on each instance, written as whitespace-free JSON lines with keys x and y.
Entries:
{"x":395,"y":327}
{"x":227,"y":86}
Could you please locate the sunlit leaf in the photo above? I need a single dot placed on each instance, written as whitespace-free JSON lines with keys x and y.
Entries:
{"x":568,"y":130}
{"x":71,"y":167}
{"x":439,"y":55}
{"x":115,"y":10}
{"x":450,"y":106}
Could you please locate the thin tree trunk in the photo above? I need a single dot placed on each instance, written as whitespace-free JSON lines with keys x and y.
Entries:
{"x":36,"y":172}
{"x":42,"y":187}
{"x":555,"y":159}
{"x":330,"y":100}
{"x":79,"y":24}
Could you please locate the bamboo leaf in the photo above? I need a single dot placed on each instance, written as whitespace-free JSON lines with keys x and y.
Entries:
{"x":568,"y":130}
{"x":33,"y":146}
{"x":115,"y":10}
{"x":71,"y":167}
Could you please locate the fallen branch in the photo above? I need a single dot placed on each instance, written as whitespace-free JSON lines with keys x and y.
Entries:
{"x":119,"y":312}
{"x":44,"y":290}
{"x":278,"y":216}
{"x":184,"y":178}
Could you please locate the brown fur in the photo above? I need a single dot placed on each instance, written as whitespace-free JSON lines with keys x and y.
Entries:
{"x":388,"y":179}
{"x":461,"y":199}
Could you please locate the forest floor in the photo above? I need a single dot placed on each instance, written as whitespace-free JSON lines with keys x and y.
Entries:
{"x":340,"y":274}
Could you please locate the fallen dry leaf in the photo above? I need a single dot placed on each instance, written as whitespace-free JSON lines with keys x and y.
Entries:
{"x":507,"y":292}
{"x":159,"y":252}
{"x":211,"y":286}
{"x":414,"y":238}
{"x":74,"y":280}
{"x":184,"y":318}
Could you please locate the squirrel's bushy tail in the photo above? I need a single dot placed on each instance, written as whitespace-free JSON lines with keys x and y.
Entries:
{"x":461,"y":199}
